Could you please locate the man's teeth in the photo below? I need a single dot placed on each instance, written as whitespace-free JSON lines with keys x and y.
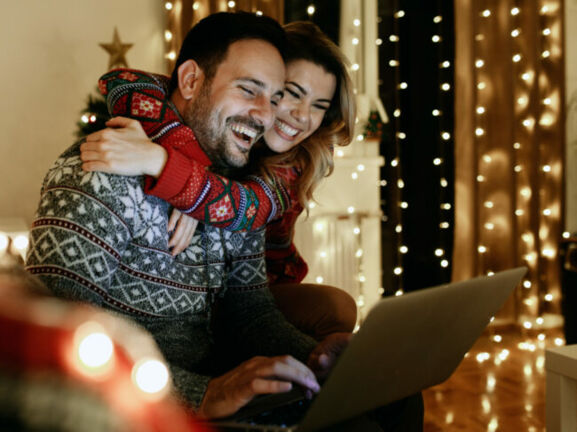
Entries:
{"x":290,"y":131}
{"x":243,"y":130}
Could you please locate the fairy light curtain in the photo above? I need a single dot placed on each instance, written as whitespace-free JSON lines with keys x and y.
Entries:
{"x":509,"y":148}
{"x":183,"y":14}
{"x":416,"y":86}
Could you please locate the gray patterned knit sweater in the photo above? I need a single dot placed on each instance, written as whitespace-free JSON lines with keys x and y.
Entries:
{"x":98,"y":238}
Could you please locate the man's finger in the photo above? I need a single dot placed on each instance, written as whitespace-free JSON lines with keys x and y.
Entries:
{"x":264,"y":386}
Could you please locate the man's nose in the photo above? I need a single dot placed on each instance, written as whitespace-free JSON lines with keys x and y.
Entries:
{"x":263,"y":112}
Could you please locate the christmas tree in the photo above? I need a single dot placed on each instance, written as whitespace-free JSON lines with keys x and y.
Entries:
{"x":95,"y":114}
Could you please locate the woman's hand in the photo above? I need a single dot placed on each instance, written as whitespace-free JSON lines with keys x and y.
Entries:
{"x":123,"y":148}
{"x":183,"y":227}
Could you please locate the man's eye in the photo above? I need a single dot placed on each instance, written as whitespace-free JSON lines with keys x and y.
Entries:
{"x":247,"y":90}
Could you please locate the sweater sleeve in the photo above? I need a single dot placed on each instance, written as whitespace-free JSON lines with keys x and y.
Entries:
{"x":185,"y":181}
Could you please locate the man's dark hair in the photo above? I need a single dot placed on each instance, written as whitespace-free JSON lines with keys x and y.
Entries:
{"x":208,"y":41}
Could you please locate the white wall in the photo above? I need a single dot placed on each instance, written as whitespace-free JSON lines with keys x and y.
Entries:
{"x":571,"y":101}
{"x":51,"y":62}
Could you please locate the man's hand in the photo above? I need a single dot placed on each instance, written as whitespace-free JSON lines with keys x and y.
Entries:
{"x":184,"y":227}
{"x":260,"y":375}
{"x":122,"y":148}
{"x":325,"y":354}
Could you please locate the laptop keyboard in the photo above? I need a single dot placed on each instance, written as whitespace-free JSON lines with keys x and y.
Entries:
{"x":283,"y":416}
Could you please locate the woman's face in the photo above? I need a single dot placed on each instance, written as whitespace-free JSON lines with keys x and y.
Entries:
{"x":309,"y":90}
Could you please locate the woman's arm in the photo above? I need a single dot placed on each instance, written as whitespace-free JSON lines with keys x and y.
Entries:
{"x":183,"y":179}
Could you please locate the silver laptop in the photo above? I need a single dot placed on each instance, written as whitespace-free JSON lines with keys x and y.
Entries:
{"x":405,"y":345}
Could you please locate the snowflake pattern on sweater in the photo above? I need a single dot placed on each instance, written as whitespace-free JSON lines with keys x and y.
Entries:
{"x":99,"y":238}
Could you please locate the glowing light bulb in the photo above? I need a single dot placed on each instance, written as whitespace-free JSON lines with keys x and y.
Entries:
{"x":444,"y":183}
{"x":446,"y":64}
{"x":446,"y":136}
{"x":490,"y":226}
{"x":378,"y":42}
{"x":548,"y":297}
{"x":482,"y":249}
{"x":356,"y":22}
{"x":350,"y":209}
{"x":515,"y":11}
{"x":436,"y":38}
{"x":403,"y":249}
{"x":355,"y":41}
{"x":439,"y":252}
{"x":398,"y":228}
{"x":437,"y":19}
{"x":355,"y":67}
{"x":171,"y":55}
{"x":446,"y":87}
{"x":95,"y":350}
{"x":403,"y":85}
{"x":517,"y":58}
{"x":196,"y":5}
{"x":311,"y":10}
{"x":356,"y":230}
{"x":401,"y":135}
{"x":547,"y":101}
{"x":546,"y":54}
{"x":437,"y":161}
{"x":479,"y":63}
{"x":319,"y":279}
{"x":3,"y":242}
{"x":546,"y":168}
{"x":444,"y":225}
{"x":547,"y":212}
{"x":20,"y":242}
{"x":398,"y":270}
{"x":486,"y":13}
{"x":150,"y":376}
{"x":480,"y":178}
{"x":231,"y":4}
{"x":397,"y":113}
{"x":546,"y":32}
{"x":168,"y":35}
{"x":481,"y":86}
{"x":488,"y":204}
{"x":479,"y":131}
{"x":399,"y":14}
{"x":436,"y":113}
{"x":168,"y":5}
{"x":515,"y":33}
{"x":444,"y":263}
{"x":480,"y":110}
{"x":497,"y":338}
{"x":393,"y":38}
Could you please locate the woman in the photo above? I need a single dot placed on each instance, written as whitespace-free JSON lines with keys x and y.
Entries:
{"x":316,"y":113}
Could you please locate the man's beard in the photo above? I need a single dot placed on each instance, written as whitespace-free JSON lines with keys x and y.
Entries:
{"x":211,"y":132}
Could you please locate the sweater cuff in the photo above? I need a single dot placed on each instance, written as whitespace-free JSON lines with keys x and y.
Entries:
{"x":173,"y":177}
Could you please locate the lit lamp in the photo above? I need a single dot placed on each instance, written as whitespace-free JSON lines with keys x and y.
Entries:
{"x":13,"y":238}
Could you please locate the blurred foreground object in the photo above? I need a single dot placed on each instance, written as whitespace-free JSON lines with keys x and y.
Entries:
{"x":67,"y":367}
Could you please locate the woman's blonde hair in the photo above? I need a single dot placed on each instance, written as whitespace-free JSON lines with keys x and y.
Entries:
{"x":313,"y":158}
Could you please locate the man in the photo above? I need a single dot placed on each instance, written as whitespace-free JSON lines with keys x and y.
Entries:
{"x":99,"y":238}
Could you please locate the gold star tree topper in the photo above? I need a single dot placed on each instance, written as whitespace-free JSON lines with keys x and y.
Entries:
{"x":117,"y":51}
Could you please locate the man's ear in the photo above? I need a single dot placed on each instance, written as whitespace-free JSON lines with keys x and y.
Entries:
{"x":190,"y":77}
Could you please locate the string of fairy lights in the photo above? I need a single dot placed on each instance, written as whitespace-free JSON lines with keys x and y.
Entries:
{"x":442,"y":141}
{"x":536,"y":156}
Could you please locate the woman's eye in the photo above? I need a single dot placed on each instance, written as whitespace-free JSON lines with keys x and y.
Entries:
{"x":321,"y":107}
{"x":293,"y":93}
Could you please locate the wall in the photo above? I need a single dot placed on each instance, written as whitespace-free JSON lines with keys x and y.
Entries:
{"x":571,"y":103}
{"x":51,"y":63}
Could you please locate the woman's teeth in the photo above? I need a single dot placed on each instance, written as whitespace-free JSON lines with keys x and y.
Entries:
{"x":290,"y":131}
